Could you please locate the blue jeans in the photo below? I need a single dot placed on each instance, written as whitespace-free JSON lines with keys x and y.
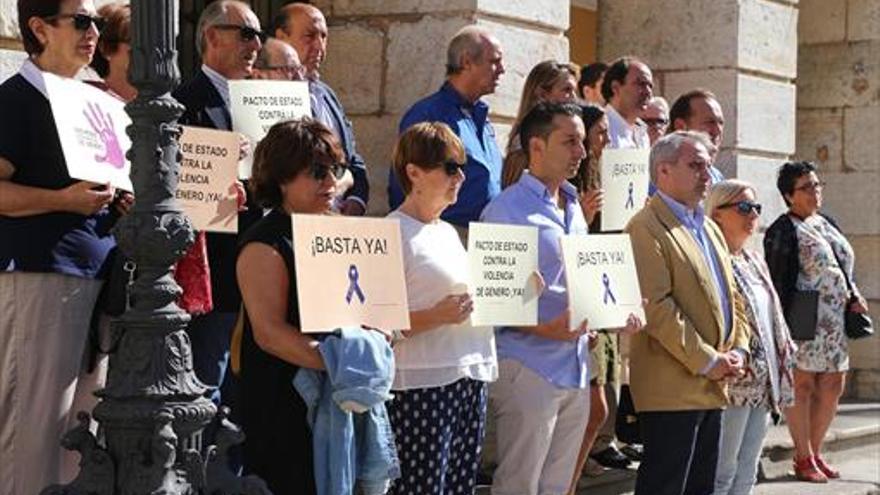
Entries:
{"x":742,"y":435}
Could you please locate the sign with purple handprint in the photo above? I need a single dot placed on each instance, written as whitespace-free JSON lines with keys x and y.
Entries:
{"x":91,"y":127}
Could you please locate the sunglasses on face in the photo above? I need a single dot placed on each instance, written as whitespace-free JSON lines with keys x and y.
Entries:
{"x":656,"y":123}
{"x":320,"y":171}
{"x":81,"y":22}
{"x":246,"y":33}
{"x":744,"y":207}
{"x":451,"y":168}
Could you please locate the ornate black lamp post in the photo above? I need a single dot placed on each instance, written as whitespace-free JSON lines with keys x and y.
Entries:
{"x":153,"y":408}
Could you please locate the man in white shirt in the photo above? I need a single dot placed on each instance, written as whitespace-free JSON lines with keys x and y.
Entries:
{"x":628,"y":86}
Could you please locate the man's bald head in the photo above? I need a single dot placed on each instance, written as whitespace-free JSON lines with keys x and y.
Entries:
{"x":278,"y":60}
{"x":303,"y":27}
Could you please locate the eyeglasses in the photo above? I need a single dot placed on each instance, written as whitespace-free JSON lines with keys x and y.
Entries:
{"x":246,"y":33}
{"x":656,"y":123}
{"x":320,"y":171}
{"x":810,"y":186}
{"x":451,"y":168}
{"x":744,"y":208}
{"x":81,"y":22}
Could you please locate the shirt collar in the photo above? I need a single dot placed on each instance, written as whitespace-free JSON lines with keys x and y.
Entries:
{"x":452,"y":95}
{"x":32,"y":74}
{"x":538,"y":188}
{"x":219,"y":82}
{"x":692,"y":217}
{"x":618,"y":119}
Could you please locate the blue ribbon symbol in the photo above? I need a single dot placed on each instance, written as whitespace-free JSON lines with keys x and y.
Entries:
{"x":608,"y":294}
{"x":353,"y":287}
{"x":629,"y":199}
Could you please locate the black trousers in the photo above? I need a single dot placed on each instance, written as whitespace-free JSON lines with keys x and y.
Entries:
{"x":681,"y":452}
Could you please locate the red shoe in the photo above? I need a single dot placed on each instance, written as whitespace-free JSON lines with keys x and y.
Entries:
{"x":827,"y":470}
{"x":806,"y":470}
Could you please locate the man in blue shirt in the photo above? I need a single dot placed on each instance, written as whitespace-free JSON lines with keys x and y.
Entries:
{"x":541,"y":402}
{"x":473,"y":67}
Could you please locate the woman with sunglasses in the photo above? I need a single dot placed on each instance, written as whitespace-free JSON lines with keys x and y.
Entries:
{"x":296,"y":167}
{"x":806,"y":251}
{"x":766,"y":387}
{"x":443,"y":364}
{"x":54,"y":241}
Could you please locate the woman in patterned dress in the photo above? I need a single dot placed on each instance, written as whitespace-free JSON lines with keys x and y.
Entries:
{"x":805,"y":251}
{"x":766,"y":388}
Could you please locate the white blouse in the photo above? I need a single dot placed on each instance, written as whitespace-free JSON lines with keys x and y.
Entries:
{"x":436,"y":265}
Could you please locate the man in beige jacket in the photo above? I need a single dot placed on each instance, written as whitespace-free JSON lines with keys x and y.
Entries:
{"x":695,"y":336}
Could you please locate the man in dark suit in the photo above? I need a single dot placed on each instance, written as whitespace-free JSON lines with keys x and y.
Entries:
{"x":303,"y":27}
{"x":229,"y":39}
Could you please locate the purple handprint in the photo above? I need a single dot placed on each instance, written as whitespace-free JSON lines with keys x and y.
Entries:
{"x":102,"y":124}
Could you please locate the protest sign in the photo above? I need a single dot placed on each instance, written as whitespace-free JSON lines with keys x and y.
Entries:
{"x":349,"y":272}
{"x":601,"y":280}
{"x":91,"y":127}
{"x":503,"y":262}
{"x":256,"y":105}
{"x":625,"y":179}
{"x":208,"y":173}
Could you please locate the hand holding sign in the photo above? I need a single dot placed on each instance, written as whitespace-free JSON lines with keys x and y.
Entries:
{"x":559,"y":328}
{"x":86,"y":198}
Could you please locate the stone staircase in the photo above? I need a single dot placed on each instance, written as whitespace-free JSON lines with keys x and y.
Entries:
{"x":852,"y":445}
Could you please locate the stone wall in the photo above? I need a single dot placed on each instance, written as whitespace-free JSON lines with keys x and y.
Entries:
{"x":838,"y":127}
{"x":744,"y":51}
{"x":385,"y":55}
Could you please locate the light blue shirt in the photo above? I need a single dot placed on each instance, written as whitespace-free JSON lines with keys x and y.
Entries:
{"x":693,"y":220}
{"x":527,"y":202}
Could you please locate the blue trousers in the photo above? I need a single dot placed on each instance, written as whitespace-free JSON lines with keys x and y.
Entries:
{"x":681,"y":452}
{"x":209,"y":335}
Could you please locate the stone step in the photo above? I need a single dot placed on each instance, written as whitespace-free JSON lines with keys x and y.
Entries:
{"x":852,"y":444}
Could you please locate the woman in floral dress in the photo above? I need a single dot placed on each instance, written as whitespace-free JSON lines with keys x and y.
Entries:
{"x":806,"y":251}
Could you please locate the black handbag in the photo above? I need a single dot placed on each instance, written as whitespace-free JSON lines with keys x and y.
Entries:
{"x":855,"y":325}
{"x":626,"y":426}
{"x":801,"y":314}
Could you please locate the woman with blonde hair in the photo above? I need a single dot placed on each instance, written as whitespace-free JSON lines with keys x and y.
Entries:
{"x":767,"y":386}
{"x":549,"y":81}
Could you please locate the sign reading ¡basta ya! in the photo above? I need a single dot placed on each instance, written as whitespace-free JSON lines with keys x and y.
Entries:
{"x":625,"y":179}
{"x":349,"y":272}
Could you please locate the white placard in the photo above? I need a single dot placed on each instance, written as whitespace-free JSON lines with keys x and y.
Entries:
{"x":625,"y":179}
{"x":91,"y":127}
{"x":349,"y":272}
{"x":601,"y":279}
{"x":208,"y":172}
{"x":256,"y":105}
{"x":503,"y":261}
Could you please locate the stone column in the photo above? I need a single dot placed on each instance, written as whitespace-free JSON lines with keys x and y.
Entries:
{"x":384,"y":55}
{"x":745,"y":51}
{"x":838,"y":127}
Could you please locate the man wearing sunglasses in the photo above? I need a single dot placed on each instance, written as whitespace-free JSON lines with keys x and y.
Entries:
{"x":228,"y":40}
{"x":303,"y":27}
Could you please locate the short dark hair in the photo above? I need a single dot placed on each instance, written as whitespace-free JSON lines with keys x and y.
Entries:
{"x":682,"y":108}
{"x":590,"y":75}
{"x":617,"y":71}
{"x":788,"y":175}
{"x":289,"y":148}
{"x":426,"y":145}
{"x":34,"y":8}
{"x":538,"y":122}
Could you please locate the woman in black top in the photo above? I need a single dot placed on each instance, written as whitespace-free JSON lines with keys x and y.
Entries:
{"x":296,"y":168}
{"x":54,"y":241}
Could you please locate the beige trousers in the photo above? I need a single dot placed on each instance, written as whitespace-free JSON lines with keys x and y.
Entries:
{"x":44,"y":322}
{"x":539,"y":431}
